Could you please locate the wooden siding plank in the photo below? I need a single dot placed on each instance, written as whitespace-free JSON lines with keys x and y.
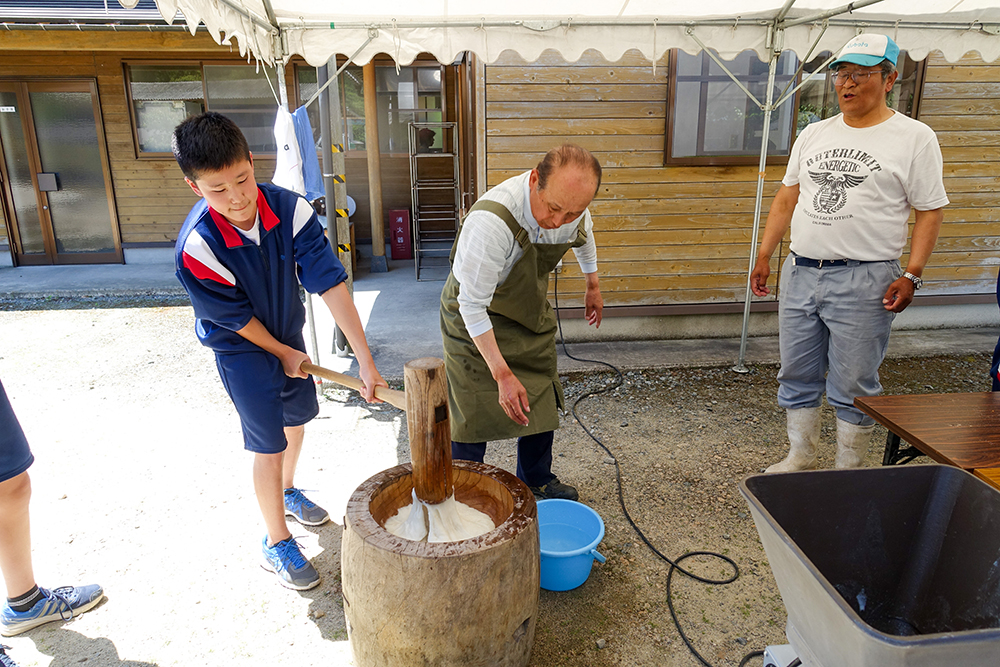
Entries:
{"x":56,"y":69}
{"x":962,"y":73}
{"x":638,"y":142}
{"x":946,"y":106}
{"x":635,"y":175}
{"x":577,"y":110}
{"x":945,"y":256}
{"x":727,"y":252}
{"x":576,"y":93}
{"x":673,"y":237}
{"x":636,"y":266}
{"x":636,"y":297}
{"x":990,"y":90}
{"x":672,"y":206}
{"x":633,"y":222}
{"x":972,"y":169}
{"x":967,"y":199}
{"x":989,"y":244}
{"x":955,"y":139}
{"x":580,"y":127}
{"x":972,"y":216}
{"x":611,"y":285}
{"x":986,"y":184}
{"x":572,"y":296}
{"x":575,"y":75}
{"x":960,"y":122}
{"x":684,"y":190}
{"x":970,"y":154}
{"x":124,"y":41}
{"x":624,"y":159}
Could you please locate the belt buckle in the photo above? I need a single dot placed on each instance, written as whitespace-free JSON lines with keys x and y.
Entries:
{"x":820,"y":264}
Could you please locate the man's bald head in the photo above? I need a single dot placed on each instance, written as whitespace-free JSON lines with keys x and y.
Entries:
{"x":568,"y":155}
{"x":562,"y":186}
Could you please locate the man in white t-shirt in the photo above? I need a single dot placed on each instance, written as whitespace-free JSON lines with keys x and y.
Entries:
{"x":847,"y":194}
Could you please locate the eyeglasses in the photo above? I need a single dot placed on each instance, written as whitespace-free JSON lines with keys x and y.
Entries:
{"x":859,"y":77}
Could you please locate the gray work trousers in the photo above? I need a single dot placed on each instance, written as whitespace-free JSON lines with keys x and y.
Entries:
{"x":833,"y":334}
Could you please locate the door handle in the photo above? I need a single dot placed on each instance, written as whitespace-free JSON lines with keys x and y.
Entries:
{"x":48,"y":182}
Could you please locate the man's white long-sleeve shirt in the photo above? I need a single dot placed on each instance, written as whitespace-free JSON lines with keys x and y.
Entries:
{"x":487,"y":249}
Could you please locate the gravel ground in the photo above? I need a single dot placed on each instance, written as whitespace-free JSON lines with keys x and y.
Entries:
{"x":140,"y":485}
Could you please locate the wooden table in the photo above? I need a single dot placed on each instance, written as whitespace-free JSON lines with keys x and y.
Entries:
{"x":962,"y":430}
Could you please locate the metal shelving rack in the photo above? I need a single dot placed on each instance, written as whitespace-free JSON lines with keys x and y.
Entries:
{"x":435,"y":194}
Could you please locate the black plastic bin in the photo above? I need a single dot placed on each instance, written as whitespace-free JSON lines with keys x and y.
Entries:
{"x":884,"y":566}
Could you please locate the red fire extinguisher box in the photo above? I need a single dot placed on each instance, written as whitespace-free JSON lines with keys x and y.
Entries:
{"x":399,"y":232}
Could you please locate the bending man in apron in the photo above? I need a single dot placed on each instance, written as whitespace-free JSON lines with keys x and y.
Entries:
{"x":498,"y":326}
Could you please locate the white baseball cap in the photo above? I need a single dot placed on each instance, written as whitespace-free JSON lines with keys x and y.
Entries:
{"x":868,"y":49}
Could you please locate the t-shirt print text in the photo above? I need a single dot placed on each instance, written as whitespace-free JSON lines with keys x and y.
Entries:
{"x":836,"y":171}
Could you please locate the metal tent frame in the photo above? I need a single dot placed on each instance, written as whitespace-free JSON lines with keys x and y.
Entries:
{"x":278,"y":50}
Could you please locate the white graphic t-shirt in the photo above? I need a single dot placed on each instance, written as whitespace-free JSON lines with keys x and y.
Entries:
{"x":857,"y":186}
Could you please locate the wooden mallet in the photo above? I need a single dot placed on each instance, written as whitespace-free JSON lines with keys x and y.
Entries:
{"x":429,"y":429}
{"x":391,"y":396}
{"x":426,"y":404}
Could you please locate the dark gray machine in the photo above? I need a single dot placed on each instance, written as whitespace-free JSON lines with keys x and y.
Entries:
{"x":896,"y":566}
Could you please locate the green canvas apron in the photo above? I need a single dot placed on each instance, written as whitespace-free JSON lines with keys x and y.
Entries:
{"x":525,"y":328}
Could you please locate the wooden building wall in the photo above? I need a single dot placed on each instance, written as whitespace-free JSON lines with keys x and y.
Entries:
{"x":151,"y":197}
{"x":681,"y":235}
{"x":666,"y":235}
{"x":961,"y":102}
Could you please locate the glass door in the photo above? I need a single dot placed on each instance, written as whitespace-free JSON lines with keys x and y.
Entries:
{"x":56,"y":182}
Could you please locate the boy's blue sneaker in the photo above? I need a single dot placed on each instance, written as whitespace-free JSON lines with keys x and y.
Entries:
{"x":5,"y":659}
{"x":304,"y":510}
{"x":59,"y":604}
{"x":285,"y":559}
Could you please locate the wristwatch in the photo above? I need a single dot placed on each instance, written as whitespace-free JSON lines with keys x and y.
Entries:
{"x":917,"y":282}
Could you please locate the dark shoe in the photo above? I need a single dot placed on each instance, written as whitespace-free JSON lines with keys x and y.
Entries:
{"x":5,"y":659}
{"x":555,"y":489}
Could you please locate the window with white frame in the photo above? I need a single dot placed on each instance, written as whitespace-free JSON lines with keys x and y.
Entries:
{"x":163,"y":95}
{"x":711,"y":121}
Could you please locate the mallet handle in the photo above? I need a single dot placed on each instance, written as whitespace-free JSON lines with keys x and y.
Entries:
{"x":390,"y":396}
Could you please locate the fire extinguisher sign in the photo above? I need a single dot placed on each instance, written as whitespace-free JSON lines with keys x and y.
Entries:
{"x":399,"y":228}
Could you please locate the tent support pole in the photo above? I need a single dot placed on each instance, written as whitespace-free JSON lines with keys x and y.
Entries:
{"x":769,"y":106}
{"x":844,"y":9}
{"x":337,"y":229}
{"x":279,"y":68}
{"x":772,"y":68}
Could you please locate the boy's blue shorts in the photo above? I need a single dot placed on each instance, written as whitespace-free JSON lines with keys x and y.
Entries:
{"x":266,"y":399}
{"x":15,"y":455}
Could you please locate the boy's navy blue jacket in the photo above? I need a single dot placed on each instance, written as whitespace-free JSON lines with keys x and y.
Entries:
{"x":230,"y":279}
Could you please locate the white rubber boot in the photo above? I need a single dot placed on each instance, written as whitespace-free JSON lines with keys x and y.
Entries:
{"x":803,"y":436}
{"x":852,"y":443}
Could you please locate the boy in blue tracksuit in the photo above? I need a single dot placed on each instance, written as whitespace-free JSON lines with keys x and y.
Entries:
{"x":241,"y":254}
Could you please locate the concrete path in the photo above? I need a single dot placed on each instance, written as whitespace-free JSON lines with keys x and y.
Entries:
{"x":401,"y":320}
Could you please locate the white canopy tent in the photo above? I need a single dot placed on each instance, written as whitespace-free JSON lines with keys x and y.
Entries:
{"x":274,"y":30}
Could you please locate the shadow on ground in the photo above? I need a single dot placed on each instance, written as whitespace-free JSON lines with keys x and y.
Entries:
{"x":68,"y":648}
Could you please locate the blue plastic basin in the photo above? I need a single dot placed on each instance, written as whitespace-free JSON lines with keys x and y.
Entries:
{"x":569,"y":533}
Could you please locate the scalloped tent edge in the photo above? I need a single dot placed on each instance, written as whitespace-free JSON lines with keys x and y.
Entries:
{"x":273,"y":30}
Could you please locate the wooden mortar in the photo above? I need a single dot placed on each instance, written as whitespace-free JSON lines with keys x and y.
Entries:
{"x":462,"y":604}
